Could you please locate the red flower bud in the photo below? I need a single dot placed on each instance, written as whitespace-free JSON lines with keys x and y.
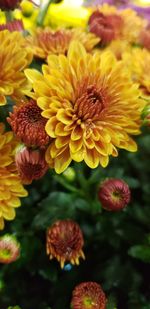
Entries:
{"x":9,"y":249}
{"x":31,"y":164}
{"x":105,"y":27}
{"x":114,"y":194}
{"x":88,"y":295}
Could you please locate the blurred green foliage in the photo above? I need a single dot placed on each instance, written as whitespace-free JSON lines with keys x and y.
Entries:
{"x":117,"y":245}
{"x":16,"y":307}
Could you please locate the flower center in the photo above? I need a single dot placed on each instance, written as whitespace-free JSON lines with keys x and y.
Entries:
{"x":116,"y":195}
{"x":88,"y":302}
{"x":89,"y":104}
{"x":33,"y":114}
{"x":34,"y":169}
{"x":6,"y":253}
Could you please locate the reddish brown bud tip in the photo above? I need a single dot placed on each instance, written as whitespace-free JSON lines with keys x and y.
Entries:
{"x":9,"y":4}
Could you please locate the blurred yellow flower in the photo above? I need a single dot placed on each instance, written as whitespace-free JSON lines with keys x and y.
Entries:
{"x":27,"y":8}
{"x":118,"y":47}
{"x":47,"y":41}
{"x":14,"y":58}
{"x":138,"y":62}
{"x":106,"y":9}
{"x":91,"y":105}
{"x":2,"y":17}
{"x":10,"y":191}
{"x":65,"y":15}
{"x":133,"y":24}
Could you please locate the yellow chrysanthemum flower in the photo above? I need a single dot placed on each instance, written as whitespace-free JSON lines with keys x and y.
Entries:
{"x":133,"y":24}
{"x":119,"y":47}
{"x":6,"y":145}
{"x":91,"y":104}
{"x":139,"y":64}
{"x":10,"y":191}
{"x":14,"y":58}
{"x":10,"y":184}
{"x":89,"y":40}
{"x":48,"y":41}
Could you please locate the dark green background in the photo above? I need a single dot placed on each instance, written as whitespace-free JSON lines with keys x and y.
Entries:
{"x":117,"y":245}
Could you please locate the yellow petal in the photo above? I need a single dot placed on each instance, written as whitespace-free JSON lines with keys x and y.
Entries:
{"x":14,"y":202}
{"x":102,"y":148}
{"x":33,"y":75}
{"x":50,"y":126}
{"x":61,"y":141}
{"x":75,"y":146}
{"x":104,"y":160}
{"x":9,"y":214}
{"x":2,"y":100}
{"x":60,"y":129}
{"x":43,"y":102}
{"x":89,"y":143}
{"x":76,"y":133}
{"x":64,"y":116}
{"x":1,"y":223}
{"x":78,"y":155}
{"x":91,"y":158}
{"x":62,"y":161}
{"x":76,"y":51}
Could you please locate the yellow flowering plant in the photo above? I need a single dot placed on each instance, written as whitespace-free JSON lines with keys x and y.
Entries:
{"x":74,"y":96}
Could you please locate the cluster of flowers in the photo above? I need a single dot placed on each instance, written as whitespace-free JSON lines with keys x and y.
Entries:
{"x":85,"y":103}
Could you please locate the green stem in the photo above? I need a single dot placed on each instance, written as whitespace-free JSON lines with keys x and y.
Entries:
{"x":43,"y":12}
{"x":9,"y":16}
{"x":81,"y":178}
{"x":66,"y":185}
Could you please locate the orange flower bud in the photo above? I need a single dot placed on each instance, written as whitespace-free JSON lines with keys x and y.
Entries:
{"x":65,"y":242}
{"x":28,"y":124}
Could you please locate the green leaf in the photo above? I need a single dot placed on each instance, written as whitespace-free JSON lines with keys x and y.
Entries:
{"x":58,"y":205}
{"x":111,"y":303}
{"x":49,"y":273}
{"x":141,"y":252}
